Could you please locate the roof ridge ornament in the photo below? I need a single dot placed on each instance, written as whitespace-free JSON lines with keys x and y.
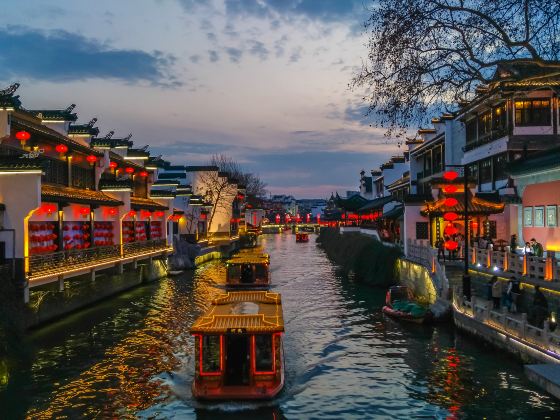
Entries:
{"x":128,"y":137}
{"x":109,"y":135}
{"x":69,"y":109}
{"x":91,"y":122}
{"x":10,"y":90}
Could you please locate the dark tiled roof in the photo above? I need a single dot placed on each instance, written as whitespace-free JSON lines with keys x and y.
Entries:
{"x":110,"y":143}
{"x":7,"y":98}
{"x":172,"y":175}
{"x":75,"y":195}
{"x":137,"y":153}
{"x":162,"y":193}
{"x":56,"y":114}
{"x":353,"y":203}
{"x":394,"y":213}
{"x":165,"y":182}
{"x":54,"y":135}
{"x":17,"y":164}
{"x":84,"y":128}
{"x":201,"y":168}
{"x":146,"y":203}
{"x":546,"y":159}
{"x":171,"y":168}
{"x":376,"y":204}
{"x":475,"y":206}
{"x":114,"y":184}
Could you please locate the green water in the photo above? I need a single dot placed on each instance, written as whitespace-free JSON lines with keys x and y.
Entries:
{"x":131,"y":356}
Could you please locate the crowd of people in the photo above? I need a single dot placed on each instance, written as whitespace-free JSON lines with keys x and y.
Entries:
{"x":531,"y":248}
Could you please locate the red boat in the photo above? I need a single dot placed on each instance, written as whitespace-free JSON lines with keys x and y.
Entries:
{"x":302,"y":237}
{"x":400,"y":304}
{"x":238,"y":350}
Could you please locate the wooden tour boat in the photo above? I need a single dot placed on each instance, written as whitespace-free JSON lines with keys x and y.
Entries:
{"x":302,"y":237}
{"x":238,"y":349}
{"x":401,"y":304}
{"x":248,"y":269}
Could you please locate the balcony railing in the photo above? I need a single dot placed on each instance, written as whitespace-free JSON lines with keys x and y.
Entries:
{"x":58,"y":262}
{"x":485,"y":139}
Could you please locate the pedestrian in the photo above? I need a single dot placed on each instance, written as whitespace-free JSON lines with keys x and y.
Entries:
{"x":513,"y":292}
{"x":440,"y":249}
{"x":496,"y":291}
{"x":538,"y":250}
{"x":540,"y":308}
{"x":513,"y":244}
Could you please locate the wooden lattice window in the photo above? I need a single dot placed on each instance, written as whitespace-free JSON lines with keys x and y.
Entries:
{"x":422,"y":230}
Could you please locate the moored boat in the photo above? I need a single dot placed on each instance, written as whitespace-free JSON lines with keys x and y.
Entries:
{"x":400,"y":304}
{"x":238,"y":349}
{"x":302,"y":237}
{"x":248,"y":269}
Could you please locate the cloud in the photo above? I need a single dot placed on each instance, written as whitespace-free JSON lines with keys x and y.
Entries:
{"x":295,"y":56}
{"x":211,"y":36}
{"x":259,"y":50}
{"x":234,"y":54}
{"x":194,"y":58}
{"x":323,"y":10}
{"x":62,"y":56}
{"x":213,"y":56}
{"x":358,"y":114}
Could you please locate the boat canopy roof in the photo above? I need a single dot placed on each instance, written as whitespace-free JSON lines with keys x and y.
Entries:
{"x":242,"y":312}
{"x":255,"y":257}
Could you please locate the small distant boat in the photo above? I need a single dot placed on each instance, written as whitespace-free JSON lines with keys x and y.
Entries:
{"x":238,"y":351}
{"x":248,"y":269}
{"x":302,"y":237}
{"x":400,"y":304}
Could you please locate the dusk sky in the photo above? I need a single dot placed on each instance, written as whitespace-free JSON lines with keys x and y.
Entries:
{"x":263,"y":81}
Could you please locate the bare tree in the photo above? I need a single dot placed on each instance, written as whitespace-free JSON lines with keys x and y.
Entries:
{"x":255,"y":187}
{"x":426,"y":55}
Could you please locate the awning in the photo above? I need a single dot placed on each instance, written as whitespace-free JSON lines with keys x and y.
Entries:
{"x":138,"y":203}
{"x":59,"y":194}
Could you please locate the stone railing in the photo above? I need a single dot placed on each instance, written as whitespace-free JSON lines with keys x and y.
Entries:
{"x":423,"y":253}
{"x":537,"y":268}
{"x":515,"y":325}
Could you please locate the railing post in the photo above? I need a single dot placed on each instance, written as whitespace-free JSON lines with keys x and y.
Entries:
{"x":473,"y":303}
{"x":506,"y":261}
{"x":548,"y":268}
{"x":546,"y":332}
{"x":524,"y":270}
{"x":523,"y":324}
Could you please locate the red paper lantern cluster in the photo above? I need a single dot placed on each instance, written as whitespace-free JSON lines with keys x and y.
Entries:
{"x":158,"y":213}
{"x":450,"y":175}
{"x":450,"y":216}
{"x":103,"y":233}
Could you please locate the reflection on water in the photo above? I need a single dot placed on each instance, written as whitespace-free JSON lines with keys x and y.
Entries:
{"x":130,"y":357}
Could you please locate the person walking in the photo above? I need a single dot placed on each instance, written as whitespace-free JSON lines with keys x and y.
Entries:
{"x":512,"y":295}
{"x":440,"y":248}
{"x":513,"y":244}
{"x":496,"y":292}
{"x":540,"y":308}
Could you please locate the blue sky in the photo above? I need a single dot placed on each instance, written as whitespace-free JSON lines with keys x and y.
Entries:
{"x":264,"y":81}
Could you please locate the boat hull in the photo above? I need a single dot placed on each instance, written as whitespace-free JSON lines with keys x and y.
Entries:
{"x":237,"y":392}
{"x":402,"y":315}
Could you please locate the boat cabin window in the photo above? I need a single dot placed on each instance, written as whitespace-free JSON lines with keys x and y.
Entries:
{"x":263,"y":353}
{"x":234,"y":271}
{"x":247,"y":273}
{"x":260,"y":271}
{"x":210,"y":353}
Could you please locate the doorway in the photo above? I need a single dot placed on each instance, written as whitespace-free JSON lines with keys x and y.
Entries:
{"x":237,"y":360}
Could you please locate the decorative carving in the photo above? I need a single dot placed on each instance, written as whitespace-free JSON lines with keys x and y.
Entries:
{"x":9,"y":91}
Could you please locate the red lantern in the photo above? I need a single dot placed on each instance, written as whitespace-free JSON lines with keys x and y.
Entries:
{"x":129,"y":170}
{"x":158,"y":213}
{"x":84,"y":211}
{"x":112,"y":211}
{"x":450,"y":216}
{"x":91,"y":159}
{"x":61,"y":148}
{"x":132,"y":213}
{"x":450,"y":202}
{"x":143,"y":174}
{"x":450,"y":175}
{"x":450,"y":189}
{"x":113,"y":165}
{"x":23,"y":136}
{"x":451,"y":245}
{"x":450,"y":230}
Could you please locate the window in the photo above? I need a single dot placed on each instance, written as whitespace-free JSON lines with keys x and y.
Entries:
{"x":486,"y":170}
{"x":528,"y":216}
{"x":500,"y":162}
{"x":473,"y":172}
{"x":484,"y":123}
{"x":264,"y":354}
{"x":421,"y":230}
{"x":539,"y":217}
{"x":551,"y":216}
{"x":532,"y":112}
{"x":470,"y":128}
{"x":210,"y":353}
{"x":499,"y":119}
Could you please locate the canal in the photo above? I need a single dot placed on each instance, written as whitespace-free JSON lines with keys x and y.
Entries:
{"x":131,"y":356}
